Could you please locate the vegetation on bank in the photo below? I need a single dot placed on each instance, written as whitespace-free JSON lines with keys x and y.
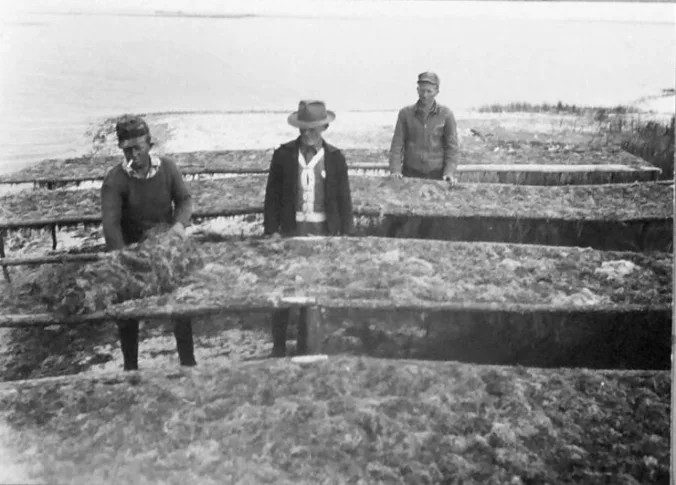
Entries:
{"x":654,"y":142}
{"x":557,"y":108}
{"x":620,"y":126}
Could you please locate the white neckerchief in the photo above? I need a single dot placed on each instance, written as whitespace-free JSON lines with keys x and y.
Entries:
{"x":307,"y":178}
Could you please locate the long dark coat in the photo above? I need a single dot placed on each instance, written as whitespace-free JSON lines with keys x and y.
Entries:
{"x":281,"y":192}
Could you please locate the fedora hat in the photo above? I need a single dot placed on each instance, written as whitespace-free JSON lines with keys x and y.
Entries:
{"x":311,"y":114}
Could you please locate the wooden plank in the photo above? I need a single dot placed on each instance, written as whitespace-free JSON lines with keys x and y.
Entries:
{"x":48,"y":319}
{"x":51,"y":259}
{"x":529,"y":174}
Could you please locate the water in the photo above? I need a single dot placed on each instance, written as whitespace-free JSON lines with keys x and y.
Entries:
{"x":63,"y":73}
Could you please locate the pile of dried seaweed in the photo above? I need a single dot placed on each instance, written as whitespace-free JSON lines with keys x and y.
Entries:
{"x":151,"y":267}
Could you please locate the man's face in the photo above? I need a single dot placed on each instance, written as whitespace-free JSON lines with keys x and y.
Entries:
{"x":137,"y":154}
{"x":312,"y":136}
{"x":427,"y":92}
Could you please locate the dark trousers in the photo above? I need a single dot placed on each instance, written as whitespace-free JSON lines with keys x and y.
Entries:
{"x":280,"y":322}
{"x":128,"y":330}
{"x":433,"y":174}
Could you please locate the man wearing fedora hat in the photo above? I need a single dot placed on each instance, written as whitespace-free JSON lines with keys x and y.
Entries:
{"x":425,"y":141}
{"x":142,"y":192}
{"x":307,"y":192}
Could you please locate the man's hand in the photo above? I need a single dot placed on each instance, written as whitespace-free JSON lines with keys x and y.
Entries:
{"x":179,"y":229}
{"x":396,"y":175}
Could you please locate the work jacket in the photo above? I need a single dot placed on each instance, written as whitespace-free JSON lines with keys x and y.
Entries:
{"x":425,"y":143}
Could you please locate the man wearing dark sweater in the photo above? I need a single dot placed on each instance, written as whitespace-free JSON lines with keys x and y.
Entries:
{"x":142,"y":192}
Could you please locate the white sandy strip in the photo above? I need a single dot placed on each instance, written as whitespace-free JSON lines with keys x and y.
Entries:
{"x":186,"y":132}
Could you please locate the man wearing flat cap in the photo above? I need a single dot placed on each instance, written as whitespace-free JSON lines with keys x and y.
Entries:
{"x":425,"y":141}
{"x":142,"y":192}
{"x":307,"y":193}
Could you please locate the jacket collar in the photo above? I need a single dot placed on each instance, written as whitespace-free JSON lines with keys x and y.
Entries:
{"x":433,"y":110}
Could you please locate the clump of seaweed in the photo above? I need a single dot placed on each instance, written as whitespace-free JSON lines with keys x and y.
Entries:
{"x":154,"y":266}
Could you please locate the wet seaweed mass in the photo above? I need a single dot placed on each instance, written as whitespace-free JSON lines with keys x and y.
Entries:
{"x":380,"y":195}
{"x":348,"y":420}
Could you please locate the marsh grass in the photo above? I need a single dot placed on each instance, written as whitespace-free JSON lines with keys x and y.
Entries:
{"x":625,"y":127}
{"x":653,"y":141}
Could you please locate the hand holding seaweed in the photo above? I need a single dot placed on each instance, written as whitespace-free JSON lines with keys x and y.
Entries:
{"x":155,"y":266}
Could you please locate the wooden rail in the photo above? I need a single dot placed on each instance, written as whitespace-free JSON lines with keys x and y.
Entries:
{"x":526,"y":174}
{"x":262,"y":304}
{"x":631,"y":335}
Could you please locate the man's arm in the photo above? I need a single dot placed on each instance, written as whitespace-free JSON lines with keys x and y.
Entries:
{"x":344,"y":198}
{"x":450,"y":146}
{"x":180,"y":195}
{"x":273,"y":196}
{"x":111,"y":211}
{"x":397,"y":146}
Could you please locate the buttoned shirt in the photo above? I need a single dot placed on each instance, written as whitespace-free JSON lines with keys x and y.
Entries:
{"x":425,"y":141}
{"x":311,"y":176}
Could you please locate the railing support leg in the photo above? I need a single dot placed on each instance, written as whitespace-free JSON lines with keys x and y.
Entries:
{"x":5,"y":271}
{"x":310,"y":330}
{"x":53,"y":236}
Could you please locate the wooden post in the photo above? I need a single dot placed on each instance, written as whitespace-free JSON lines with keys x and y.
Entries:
{"x":53,"y":236}
{"x":5,"y":271}
{"x":310,"y":331}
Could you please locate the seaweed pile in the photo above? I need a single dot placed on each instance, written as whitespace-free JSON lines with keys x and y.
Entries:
{"x":388,"y":271}
{"x":392,"y":196}
{"x":154,"y":266}
{"x":346,"y":420}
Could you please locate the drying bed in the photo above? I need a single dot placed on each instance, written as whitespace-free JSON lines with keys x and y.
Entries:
{"x":346,"y":420}
{"x":478,"y":162}
{"x":481,"y":302}
{"x":616,"y":217}
{"x":387,"y":195}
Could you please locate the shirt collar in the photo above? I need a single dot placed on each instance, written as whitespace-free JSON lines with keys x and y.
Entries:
{"x":155,"y":163}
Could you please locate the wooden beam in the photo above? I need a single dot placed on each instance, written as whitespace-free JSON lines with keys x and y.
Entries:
{"x":56,"y":259}
{"x":262,"y":304}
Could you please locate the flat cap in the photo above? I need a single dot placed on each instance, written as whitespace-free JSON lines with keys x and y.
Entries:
{"x":130,"y":127}
{"x":428,"y":77}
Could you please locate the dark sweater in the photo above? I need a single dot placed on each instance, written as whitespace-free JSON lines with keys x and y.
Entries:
{"x":131,"y":206}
